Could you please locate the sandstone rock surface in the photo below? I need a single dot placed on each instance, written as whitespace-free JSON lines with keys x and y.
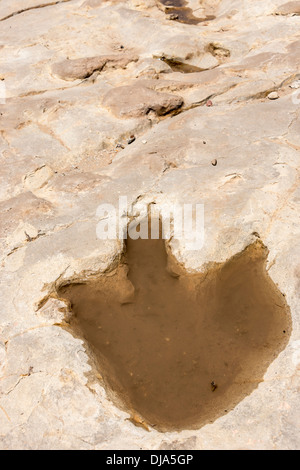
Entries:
{"x":136,"y":101}
{"x":289,"y":8}
{"x":85,"y":67}
{"x":59,"y":127}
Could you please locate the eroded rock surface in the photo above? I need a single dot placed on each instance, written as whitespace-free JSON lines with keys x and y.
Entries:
{"x":136,"y":101}
{"x":78,"y":79}
{"x":85,"y":67}
{"x":289,"y":8}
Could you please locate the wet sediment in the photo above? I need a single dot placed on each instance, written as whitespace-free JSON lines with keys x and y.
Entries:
{"x":178,"y":10}
{"x":180,"y":349}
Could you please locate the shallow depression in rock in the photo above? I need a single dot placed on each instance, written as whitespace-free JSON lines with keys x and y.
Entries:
{"x":181,"y":13}
{"x":181,"y":350}
{"x":182,"y":67}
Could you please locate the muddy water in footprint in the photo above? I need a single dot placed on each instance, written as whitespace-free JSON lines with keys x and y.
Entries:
{"x":183,"y":13}
{"x":181,"y":350}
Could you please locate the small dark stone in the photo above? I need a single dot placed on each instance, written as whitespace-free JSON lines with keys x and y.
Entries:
{"x":214,"y":162}
{"x":256,"y":234}
{"x":213,"y":386}
{"x":131,"y":139}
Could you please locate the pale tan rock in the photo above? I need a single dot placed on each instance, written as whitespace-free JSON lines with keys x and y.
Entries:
{"x":24,"y":232}
{"x":16,"y":7}
{"x":289,"y":8}
{"x":206,"y":62}
{"x":92,"y":3}
{"x":188,"y":52}
{"x":273,"y":95}
{"x":54,"y":311}
{"x":38,"y":178}
{"x":179,"y":47}
{"x":151,"y":68}
{"x":26,"y":207}
{"x":78,"y":69}
{"x":2,"y":356}
{"x":135,"y":101}
{"x":51,"y":396}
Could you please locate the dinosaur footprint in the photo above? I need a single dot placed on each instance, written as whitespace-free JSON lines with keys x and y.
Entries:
{"x":180,"y":350}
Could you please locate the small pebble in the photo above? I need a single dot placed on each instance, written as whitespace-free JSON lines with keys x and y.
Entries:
{"x":273,"y":95}
{"x":144,"y":141}
{"x":131,"y":139}
{"x":213,"y":386}
{"x":119,"y":146}
{"x":214,"y":162}
{"x":204,"y":141}
{"x":209,"y":103}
